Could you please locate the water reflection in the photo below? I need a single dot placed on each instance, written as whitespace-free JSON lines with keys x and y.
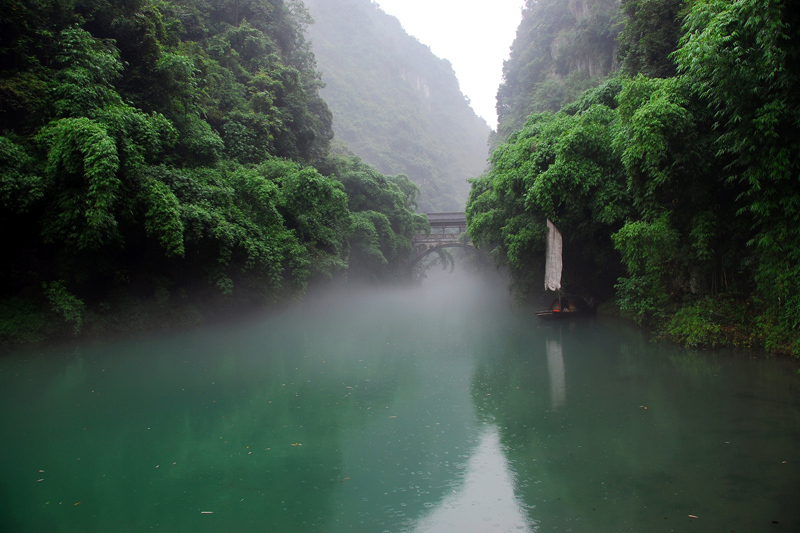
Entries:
{"x":433,"y":410}
{"x":555,"y":367}
{"x":486,"y":501}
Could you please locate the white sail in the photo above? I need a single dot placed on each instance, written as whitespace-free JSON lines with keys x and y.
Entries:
{"x":552,"y":267}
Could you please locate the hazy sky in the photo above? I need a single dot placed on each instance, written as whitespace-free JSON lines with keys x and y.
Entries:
{"x":474,"y":35}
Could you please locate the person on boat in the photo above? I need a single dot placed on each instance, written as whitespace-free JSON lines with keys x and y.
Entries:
{"x":564,"y":305}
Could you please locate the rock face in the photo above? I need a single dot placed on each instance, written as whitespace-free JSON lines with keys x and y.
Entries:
{"x":395,"y":104}
{"x":561,"y":49}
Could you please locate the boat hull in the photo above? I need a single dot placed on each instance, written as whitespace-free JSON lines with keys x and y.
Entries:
{"x":566,"y":308}
{"x":560,"y":315}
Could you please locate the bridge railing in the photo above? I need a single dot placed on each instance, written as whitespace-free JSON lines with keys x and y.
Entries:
{"x":455,"y":219}
{"x":423,"y":238}
{"x":444,"y":228}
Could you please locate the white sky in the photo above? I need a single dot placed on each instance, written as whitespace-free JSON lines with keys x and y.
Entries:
{"x":474,"y":35}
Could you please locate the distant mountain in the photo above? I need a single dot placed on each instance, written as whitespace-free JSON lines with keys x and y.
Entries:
{"x":394,"y":103}
{"x":561,"y":49}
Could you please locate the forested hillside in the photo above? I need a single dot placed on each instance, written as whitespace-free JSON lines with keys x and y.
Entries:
{"x":161,"y":157}
{"x":394,"y":103}
{"x":675,"y":183}
{"x":561,"y":49}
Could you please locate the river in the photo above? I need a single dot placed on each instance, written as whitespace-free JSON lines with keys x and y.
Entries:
{"x":440,"y":408}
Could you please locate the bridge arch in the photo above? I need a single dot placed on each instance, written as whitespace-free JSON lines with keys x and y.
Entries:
{"x":421,"y":253}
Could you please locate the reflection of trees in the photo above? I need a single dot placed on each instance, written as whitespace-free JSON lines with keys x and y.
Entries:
{"x":259,"y":423}
{"x":244,"y":420}
{"x":635,"y":441}
{"x":263,"y":423}
{"x":405,"y":466}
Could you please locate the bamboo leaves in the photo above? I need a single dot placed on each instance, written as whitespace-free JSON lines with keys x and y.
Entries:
{"x":82,"y":165}
{"x":162,"y":215}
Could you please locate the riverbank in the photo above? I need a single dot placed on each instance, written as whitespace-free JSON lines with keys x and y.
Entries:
{"x":715,"y":322}
{"x":38,"y":318}
{"x":697,"y":322}
{"x":28,"y":320}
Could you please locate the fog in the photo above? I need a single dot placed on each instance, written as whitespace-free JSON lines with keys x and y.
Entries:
{"x":439,"y":406}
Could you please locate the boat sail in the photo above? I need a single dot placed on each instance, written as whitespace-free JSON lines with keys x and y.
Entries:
{"x":552,"y":266}
{"x":563,"y":306}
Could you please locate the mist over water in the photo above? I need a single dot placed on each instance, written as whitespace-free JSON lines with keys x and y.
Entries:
{"x":436,"y":408}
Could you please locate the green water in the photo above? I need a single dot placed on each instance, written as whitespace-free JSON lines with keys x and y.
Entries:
{"x":438,"y":409}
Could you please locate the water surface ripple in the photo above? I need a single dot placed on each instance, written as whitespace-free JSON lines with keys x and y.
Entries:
{"x":441,"y":408}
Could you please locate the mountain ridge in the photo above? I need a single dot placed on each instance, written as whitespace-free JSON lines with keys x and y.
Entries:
{"x":395,"y":104}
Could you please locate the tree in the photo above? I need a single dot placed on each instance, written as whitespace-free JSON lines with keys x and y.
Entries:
{"x":652,"y":33}
{"x":740,"y":57}
{"x":563,"y":168}
{"x":561,"y":49}
{"x":384,"y":221}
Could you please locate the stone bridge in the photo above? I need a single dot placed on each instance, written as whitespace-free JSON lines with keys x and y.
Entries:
{"x":448,"y":230}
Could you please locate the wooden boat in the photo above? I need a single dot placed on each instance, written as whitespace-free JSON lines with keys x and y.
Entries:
{"x":565,"y":308}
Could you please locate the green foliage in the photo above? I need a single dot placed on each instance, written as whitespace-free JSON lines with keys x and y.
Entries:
{"x":141,"y":139}
{"x":383,"y":218}
{"x":315,"y":208}
{"x":604,"y":94}
{"x":777,"y":336}
{"x":19,"y":188}
{"x":232,"y":226}
{"x":646,"y":247}
{"x":366,"y":243}
{"x":487,"y":216}
{"x":655,"y":139}
{"x":729,"y":322}
{"x":651,"y":35}
{"x":88,"y":69}
{"x":739,"y":57}
{"x":639,"y":301}
{"x":162,"y":216}
{"x":665,"y":141}
{"x":647,"y":250}
{"x":199,"y":144}
{"x":23,"y":321}
{"x":560,"y":167}
{"x":627,"y":171}
{"x":713,"y":322}
{"x":561,"y":50}
{"x":66,"y":304}
{"x":82,"y":165}
{"x":179,"y":78}
{"x":157,"y":149}
{"x":704,"y":211}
